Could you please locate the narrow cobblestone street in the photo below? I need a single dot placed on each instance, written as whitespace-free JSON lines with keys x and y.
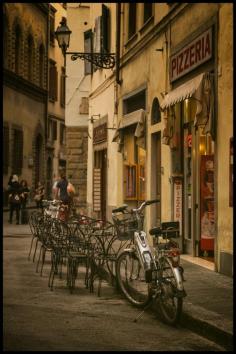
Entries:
{"x":36,"y":318}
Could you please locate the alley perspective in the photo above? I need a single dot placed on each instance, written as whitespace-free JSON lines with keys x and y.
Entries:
{"x":118,"y":176}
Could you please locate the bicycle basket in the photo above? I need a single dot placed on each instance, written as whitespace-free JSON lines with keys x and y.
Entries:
{"x":125,"y":225}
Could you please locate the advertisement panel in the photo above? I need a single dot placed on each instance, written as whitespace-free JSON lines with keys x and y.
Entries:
{"x":207,"y":212}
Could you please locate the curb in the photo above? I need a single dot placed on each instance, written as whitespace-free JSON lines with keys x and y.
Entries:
{"x":187,"y":320}
{"x":207,"y":330}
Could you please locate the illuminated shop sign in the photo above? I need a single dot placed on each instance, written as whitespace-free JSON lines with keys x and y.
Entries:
{"x":191,"y":56}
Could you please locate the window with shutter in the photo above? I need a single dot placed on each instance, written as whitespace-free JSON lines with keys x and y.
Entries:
{"x":105,"y":29}
{"x":88,"y":47}
{"x":63,"y":83}
{"x":41,"y":65}
{"x":147,"y":11}
{"x":5,"y":149}
{"x":30,"y":58}
{"x":53,"y":81}
{"x":17,"y":151}
{"x":54,"y":130}
{"x":62,"y":134}
{"x":132,"y":19}
{"x":52,"y":25}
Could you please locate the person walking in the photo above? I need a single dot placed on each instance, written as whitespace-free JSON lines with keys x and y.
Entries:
{"x":61,"y":190}
{"x":39,"y":195}
{"x":24,"y":198}
{"x":14,"y":198}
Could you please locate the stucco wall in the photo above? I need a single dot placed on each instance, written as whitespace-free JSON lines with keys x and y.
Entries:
{"x":225,"y":126}
{"x":31,"y":112}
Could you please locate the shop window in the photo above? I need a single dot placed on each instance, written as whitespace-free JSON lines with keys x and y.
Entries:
{"x":156,"y":112}
{"x":147,"y":11}
{"x":5,"y":149}
{"x":17,"y":151}
{"x":53,"y":84}
{"x":130,"y":182}
{"x":135,"y":102}
{"x":134,"y":169}
{"x":132,"y":19}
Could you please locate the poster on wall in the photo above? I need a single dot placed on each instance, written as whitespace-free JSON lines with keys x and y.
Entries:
{"x":207,"y":212}
{"x":178,"y":202}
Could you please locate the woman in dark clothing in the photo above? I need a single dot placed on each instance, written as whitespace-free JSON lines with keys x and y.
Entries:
{"x":14,"y":199}
{"x":24,"y":197}
{"x":61,"y":187}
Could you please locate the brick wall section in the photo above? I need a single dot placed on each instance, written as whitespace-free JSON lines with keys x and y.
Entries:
{"x":77,"y":154}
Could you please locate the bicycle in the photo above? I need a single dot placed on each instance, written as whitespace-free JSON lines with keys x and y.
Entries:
{"x":148,"y":275}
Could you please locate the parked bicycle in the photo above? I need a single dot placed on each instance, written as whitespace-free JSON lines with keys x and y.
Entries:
{"x":148,"y":274}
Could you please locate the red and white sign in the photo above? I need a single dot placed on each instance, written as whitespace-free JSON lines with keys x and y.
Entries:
{"x":178,"y":202}
{"x":191,"y":56}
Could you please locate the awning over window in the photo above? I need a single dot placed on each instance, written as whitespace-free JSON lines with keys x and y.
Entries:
{"x":134,"y":118}
{"x":182,"y":92}
{"x":201,"y":89}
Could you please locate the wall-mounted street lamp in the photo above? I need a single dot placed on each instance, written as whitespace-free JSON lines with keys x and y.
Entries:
{"x":102,"y":60}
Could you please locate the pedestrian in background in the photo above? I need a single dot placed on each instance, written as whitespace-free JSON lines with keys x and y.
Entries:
{"x":39,"y":195}
{"x":14,"y":198}
{"x":61,"y":189}
{"x":24,"y":198}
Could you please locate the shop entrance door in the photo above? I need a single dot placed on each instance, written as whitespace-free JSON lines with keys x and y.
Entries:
{"x":100,"y":185}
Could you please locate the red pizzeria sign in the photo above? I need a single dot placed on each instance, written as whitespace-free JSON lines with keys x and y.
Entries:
{"x":191,"y":56}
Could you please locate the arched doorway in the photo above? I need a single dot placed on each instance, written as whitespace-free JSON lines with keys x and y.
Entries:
{"x":38,"y":159}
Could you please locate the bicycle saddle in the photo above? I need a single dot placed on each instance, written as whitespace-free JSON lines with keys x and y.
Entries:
{"x":155,"y":231}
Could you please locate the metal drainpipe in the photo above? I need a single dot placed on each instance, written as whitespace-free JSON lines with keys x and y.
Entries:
{"x":118,"y":10}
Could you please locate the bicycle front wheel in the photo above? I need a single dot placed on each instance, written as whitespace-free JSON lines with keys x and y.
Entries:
{"x":131,"y":279}
{"x":170,"y":303}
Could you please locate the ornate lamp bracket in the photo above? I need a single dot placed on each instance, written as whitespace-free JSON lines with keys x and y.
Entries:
{"x":102,"y":60}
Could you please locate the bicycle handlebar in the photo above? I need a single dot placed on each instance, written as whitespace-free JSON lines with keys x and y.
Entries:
{"x":125,"y":206}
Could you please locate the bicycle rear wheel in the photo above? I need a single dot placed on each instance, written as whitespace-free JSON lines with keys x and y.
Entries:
{"x":169,"y":302}
{"x":131,"y":279}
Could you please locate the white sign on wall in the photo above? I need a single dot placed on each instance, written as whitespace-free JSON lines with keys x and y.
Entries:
{"x":191,"y":56}
{"x":178,"y":203}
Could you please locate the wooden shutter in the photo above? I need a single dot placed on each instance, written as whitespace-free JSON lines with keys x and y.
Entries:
{"x":53,"y":82}
{"x":105,"y":29}
{"x":130,"y":182}
{"x":88,"y":49}
{"x":96,"y":189}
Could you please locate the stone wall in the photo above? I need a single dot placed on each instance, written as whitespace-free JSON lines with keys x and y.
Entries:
{"x":76,"y":165}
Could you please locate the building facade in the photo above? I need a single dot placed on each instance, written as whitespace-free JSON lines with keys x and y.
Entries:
{"x":56,"y":132}
{"x":25,"y":91}
{"x":179,"y":91}
{"x":163,"y":125}
{"x":77,"y":106}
